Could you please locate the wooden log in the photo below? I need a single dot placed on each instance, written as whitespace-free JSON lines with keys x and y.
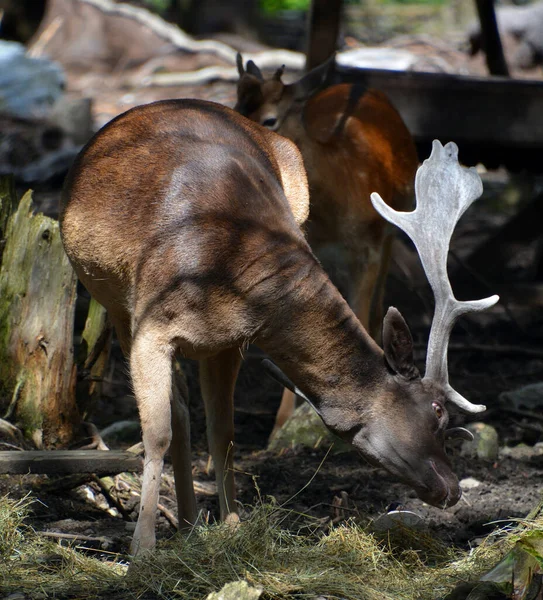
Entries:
{"x":68,"y":462}
{"x":37,"y":300}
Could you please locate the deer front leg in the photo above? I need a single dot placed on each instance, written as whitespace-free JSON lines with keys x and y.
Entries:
{"x":151,"y":371}
{"x":218,"y":376}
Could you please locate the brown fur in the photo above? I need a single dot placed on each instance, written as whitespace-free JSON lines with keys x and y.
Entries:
{"x":353,"y":142}
{"x":182,"y":219}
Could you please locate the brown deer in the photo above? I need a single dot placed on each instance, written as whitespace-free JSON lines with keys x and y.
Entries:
{"x":353,"y":142}
{"x":182,"y":218}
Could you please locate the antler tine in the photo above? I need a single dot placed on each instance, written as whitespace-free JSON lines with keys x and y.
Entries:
{"x":279,"y":73}
{"x":444,"y":190}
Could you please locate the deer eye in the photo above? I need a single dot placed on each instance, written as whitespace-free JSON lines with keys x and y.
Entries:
{"x":269,"y":122}
{"x":438,"y":409}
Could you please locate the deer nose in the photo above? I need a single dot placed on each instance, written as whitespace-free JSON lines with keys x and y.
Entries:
{"x":442,"y":488}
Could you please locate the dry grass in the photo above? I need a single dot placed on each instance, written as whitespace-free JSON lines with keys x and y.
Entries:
{"x":284,"y":553}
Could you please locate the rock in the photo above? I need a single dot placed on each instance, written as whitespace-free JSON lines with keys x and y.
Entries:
{"x":485,"y":443}
{"x":398,"y":519}
{"x":28,"y":86}
{"x":305,"y":428}
{"x":529,"y":397}
{"x":236,"y":590}
{"x":522,"y":451}
{"x":74,"y":116}
{"x":469,"y":483}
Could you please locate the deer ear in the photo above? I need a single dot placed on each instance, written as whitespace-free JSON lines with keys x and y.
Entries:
{"x":318,"y":78}
{"x":398,"y":345}
{"x":252,"y":69}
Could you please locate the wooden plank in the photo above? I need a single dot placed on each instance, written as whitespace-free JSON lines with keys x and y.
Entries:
{"x":65,"y":462}
{"x":494,"y":120}
{"x":492,"y":109}
{"x":490,"y":38}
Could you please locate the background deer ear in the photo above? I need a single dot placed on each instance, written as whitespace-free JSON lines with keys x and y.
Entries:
{"x":398,"y":345}
{"x":252,"y":69}
{"x":317,"y":78}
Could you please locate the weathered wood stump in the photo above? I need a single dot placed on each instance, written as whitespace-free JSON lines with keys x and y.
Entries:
{"x":37,"y":301}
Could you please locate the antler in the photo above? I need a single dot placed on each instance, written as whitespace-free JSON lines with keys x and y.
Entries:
{"x":444,"y":190}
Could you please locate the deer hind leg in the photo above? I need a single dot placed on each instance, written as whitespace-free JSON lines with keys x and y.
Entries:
{"x":218,"y":376}
{"x":180,"y":451}
{"x":151,"y":371}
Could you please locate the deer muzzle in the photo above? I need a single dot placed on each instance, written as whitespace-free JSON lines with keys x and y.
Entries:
{"x":439,"y":486}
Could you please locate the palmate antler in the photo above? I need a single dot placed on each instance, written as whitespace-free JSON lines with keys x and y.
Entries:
{"x":444,"y":190}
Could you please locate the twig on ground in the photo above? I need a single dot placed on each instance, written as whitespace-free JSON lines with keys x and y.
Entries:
{"x":97,"y":443}
{"x":169,"y":515}
{"x":113,"y":501}
{"x":77,"y":537}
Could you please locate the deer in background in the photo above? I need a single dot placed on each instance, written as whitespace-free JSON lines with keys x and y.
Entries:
{"x":353,"y":142}
{"x":183,"y":219}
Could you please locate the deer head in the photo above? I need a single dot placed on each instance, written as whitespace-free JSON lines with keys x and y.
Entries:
{"x":269,"y":101}
{"x":405,"y":426}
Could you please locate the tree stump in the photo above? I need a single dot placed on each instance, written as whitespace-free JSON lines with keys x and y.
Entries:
{"x":37,"y":303}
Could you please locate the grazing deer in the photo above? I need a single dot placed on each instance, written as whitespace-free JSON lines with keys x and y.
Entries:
{"x":353,"y":142}
{"x":182,"y":218}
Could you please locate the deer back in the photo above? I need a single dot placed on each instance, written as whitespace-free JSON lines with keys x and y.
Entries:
{"x":181,"y":191}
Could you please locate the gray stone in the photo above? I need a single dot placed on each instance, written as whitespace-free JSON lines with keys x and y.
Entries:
{"x":485,"y":443}
{"x":469,"y":483}
{"x":28,"y":86}
{"x":529,"y":397}
{"x":522,"y":451}
{"x":398,"y":519}
{"x":305,"y":428}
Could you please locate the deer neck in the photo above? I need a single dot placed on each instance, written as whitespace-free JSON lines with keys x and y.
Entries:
{"x":316,"y":339}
